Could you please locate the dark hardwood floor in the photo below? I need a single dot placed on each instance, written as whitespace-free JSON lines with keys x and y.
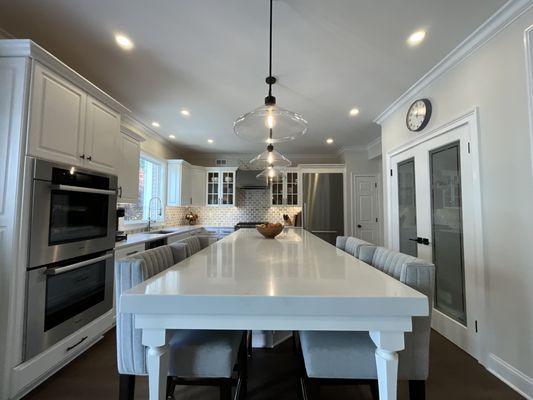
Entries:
{"x":453,"y":375}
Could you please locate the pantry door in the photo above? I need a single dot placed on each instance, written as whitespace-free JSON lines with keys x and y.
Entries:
{"x":433,"y":212}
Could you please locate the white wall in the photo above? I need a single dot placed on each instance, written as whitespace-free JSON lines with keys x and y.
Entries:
{"x":494,"y":80}
{"x":357,"y":163}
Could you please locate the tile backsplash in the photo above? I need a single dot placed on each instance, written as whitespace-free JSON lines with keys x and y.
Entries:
{"x":251,"y":206}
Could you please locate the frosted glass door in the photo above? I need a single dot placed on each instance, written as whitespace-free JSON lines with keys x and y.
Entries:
{"x":407,"y":207}
{"x":447,"y":231}
{"x":433,"y":218}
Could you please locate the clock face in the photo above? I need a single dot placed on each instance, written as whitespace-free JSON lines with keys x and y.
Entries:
{"x":418,"y":115}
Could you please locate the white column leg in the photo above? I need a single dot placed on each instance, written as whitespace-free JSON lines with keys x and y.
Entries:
{"x":156,"y":362}
{"x":387,"y":345}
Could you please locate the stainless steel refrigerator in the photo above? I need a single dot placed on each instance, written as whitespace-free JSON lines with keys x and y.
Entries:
{"x":323,"y":205}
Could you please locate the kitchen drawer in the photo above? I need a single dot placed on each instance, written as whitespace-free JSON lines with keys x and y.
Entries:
{"x":128,"y":251}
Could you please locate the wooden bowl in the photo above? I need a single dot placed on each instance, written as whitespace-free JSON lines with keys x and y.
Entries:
{"x":269,"y":232}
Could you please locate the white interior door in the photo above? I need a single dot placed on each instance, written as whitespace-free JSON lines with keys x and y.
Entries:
{"x":366,"y":225}
{"x":432,"y":211}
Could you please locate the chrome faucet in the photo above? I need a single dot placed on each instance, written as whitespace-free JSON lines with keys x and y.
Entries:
{"x":150,"y":210}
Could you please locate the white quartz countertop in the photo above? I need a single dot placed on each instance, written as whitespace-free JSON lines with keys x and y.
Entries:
{"x":143,"y":237}
{"x":247,"y":272}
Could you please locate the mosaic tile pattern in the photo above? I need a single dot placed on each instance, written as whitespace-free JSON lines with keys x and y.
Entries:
{"x":251,"y":206}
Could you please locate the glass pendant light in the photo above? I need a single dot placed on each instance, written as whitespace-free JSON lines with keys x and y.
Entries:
{"x":270,"y":123}
{"x":271,"y":172}
{"x":270,"y":157}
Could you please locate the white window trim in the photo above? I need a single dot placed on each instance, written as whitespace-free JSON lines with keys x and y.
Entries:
{"x":139,"y":224}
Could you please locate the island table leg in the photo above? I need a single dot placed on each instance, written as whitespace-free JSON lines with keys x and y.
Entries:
{"x":156,"y":362}
{"x":387,"y":345}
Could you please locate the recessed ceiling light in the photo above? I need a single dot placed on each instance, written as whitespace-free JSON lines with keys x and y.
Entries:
{"x":416,"y":38}
{"x":123,"y":41}
{"x":155,"y":124}
{"x":329,"y":140}
{"x":210,"y":141}
{"x":354,"y":112}
{"x":172,"y":136}
{"x":185,"y":113}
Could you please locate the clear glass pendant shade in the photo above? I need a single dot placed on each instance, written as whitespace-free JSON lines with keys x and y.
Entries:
{"x":271,"y":173}
{"x":267,"y":158}
{"x":270,"y":124}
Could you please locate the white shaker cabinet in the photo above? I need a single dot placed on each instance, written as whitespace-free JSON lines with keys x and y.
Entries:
{"x":198,"y":185}
{"x":186,"y":184}
{"x":69,"y":126}
{"x":179,"y":183}
{"x":56,"y":118}
{"x":128,"y":172}
{"x":102,"y":137}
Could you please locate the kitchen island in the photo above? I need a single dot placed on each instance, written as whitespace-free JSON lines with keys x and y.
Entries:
{"x":294,"y":282}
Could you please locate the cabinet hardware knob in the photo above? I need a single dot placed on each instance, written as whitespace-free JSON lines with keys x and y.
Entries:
{"x":120,"y":191}
{"x":82,"y":156}
{"x":89,"y":158}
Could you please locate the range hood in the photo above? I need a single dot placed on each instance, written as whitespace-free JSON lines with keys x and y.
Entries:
{"x":247,"y":180}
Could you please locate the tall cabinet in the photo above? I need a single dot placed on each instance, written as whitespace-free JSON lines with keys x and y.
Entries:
{"x":47,"y":111}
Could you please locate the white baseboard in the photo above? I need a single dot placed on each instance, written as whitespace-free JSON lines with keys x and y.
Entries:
{"x":516,"y":379}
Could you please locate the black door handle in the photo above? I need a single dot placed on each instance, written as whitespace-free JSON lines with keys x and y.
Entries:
{"x":420,"y":240}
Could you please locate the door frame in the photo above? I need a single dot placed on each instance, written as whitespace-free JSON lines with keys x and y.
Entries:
{"x":469,"y":119}
{"x":353,"y":201}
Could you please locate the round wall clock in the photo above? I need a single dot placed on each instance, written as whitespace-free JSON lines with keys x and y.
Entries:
{"x":418,"y":115}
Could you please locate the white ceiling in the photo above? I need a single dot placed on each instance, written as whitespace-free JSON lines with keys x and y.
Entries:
{"x":210,"y":56}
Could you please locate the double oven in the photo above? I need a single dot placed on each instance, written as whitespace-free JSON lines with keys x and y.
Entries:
{"x":72,"y":235}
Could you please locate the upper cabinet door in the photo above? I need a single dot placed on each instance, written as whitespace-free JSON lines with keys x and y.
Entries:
{"x":128,"y":174}
{"x":102,"y":137}
{"x":213,"y":187}
{"x":198,"y":186}
{"x":56,"y":123}
{"x":185,"y":182}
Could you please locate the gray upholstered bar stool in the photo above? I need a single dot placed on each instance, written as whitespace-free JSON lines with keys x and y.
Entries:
{"x":348,"y":357}
{"x":353,"y":245}
{"x":195,"y":244}
{"x":195,"y":356}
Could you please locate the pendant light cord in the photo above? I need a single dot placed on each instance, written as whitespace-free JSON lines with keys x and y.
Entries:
{"x":270,"y":53}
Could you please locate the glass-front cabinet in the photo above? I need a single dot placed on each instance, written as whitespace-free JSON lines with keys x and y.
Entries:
{"x":285,"y":189}
{"x":221,"y":187}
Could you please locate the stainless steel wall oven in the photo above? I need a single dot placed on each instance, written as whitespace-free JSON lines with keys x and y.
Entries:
{"x":72,"y":235}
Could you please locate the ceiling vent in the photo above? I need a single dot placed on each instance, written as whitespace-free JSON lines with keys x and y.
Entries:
{"x":221,"y":162}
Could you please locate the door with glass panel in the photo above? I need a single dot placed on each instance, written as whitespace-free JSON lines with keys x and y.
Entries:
{"x":432,"y":218}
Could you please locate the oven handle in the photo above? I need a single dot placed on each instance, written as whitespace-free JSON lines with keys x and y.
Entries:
{"x":61,"y":270}
{"x":82,"y":189}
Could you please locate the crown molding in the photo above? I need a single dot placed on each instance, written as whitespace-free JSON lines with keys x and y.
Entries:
{"x":505,"y":15}
{"x":28,"y":48}
{"x":239,"y":156}
{"x":346,"y":149}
